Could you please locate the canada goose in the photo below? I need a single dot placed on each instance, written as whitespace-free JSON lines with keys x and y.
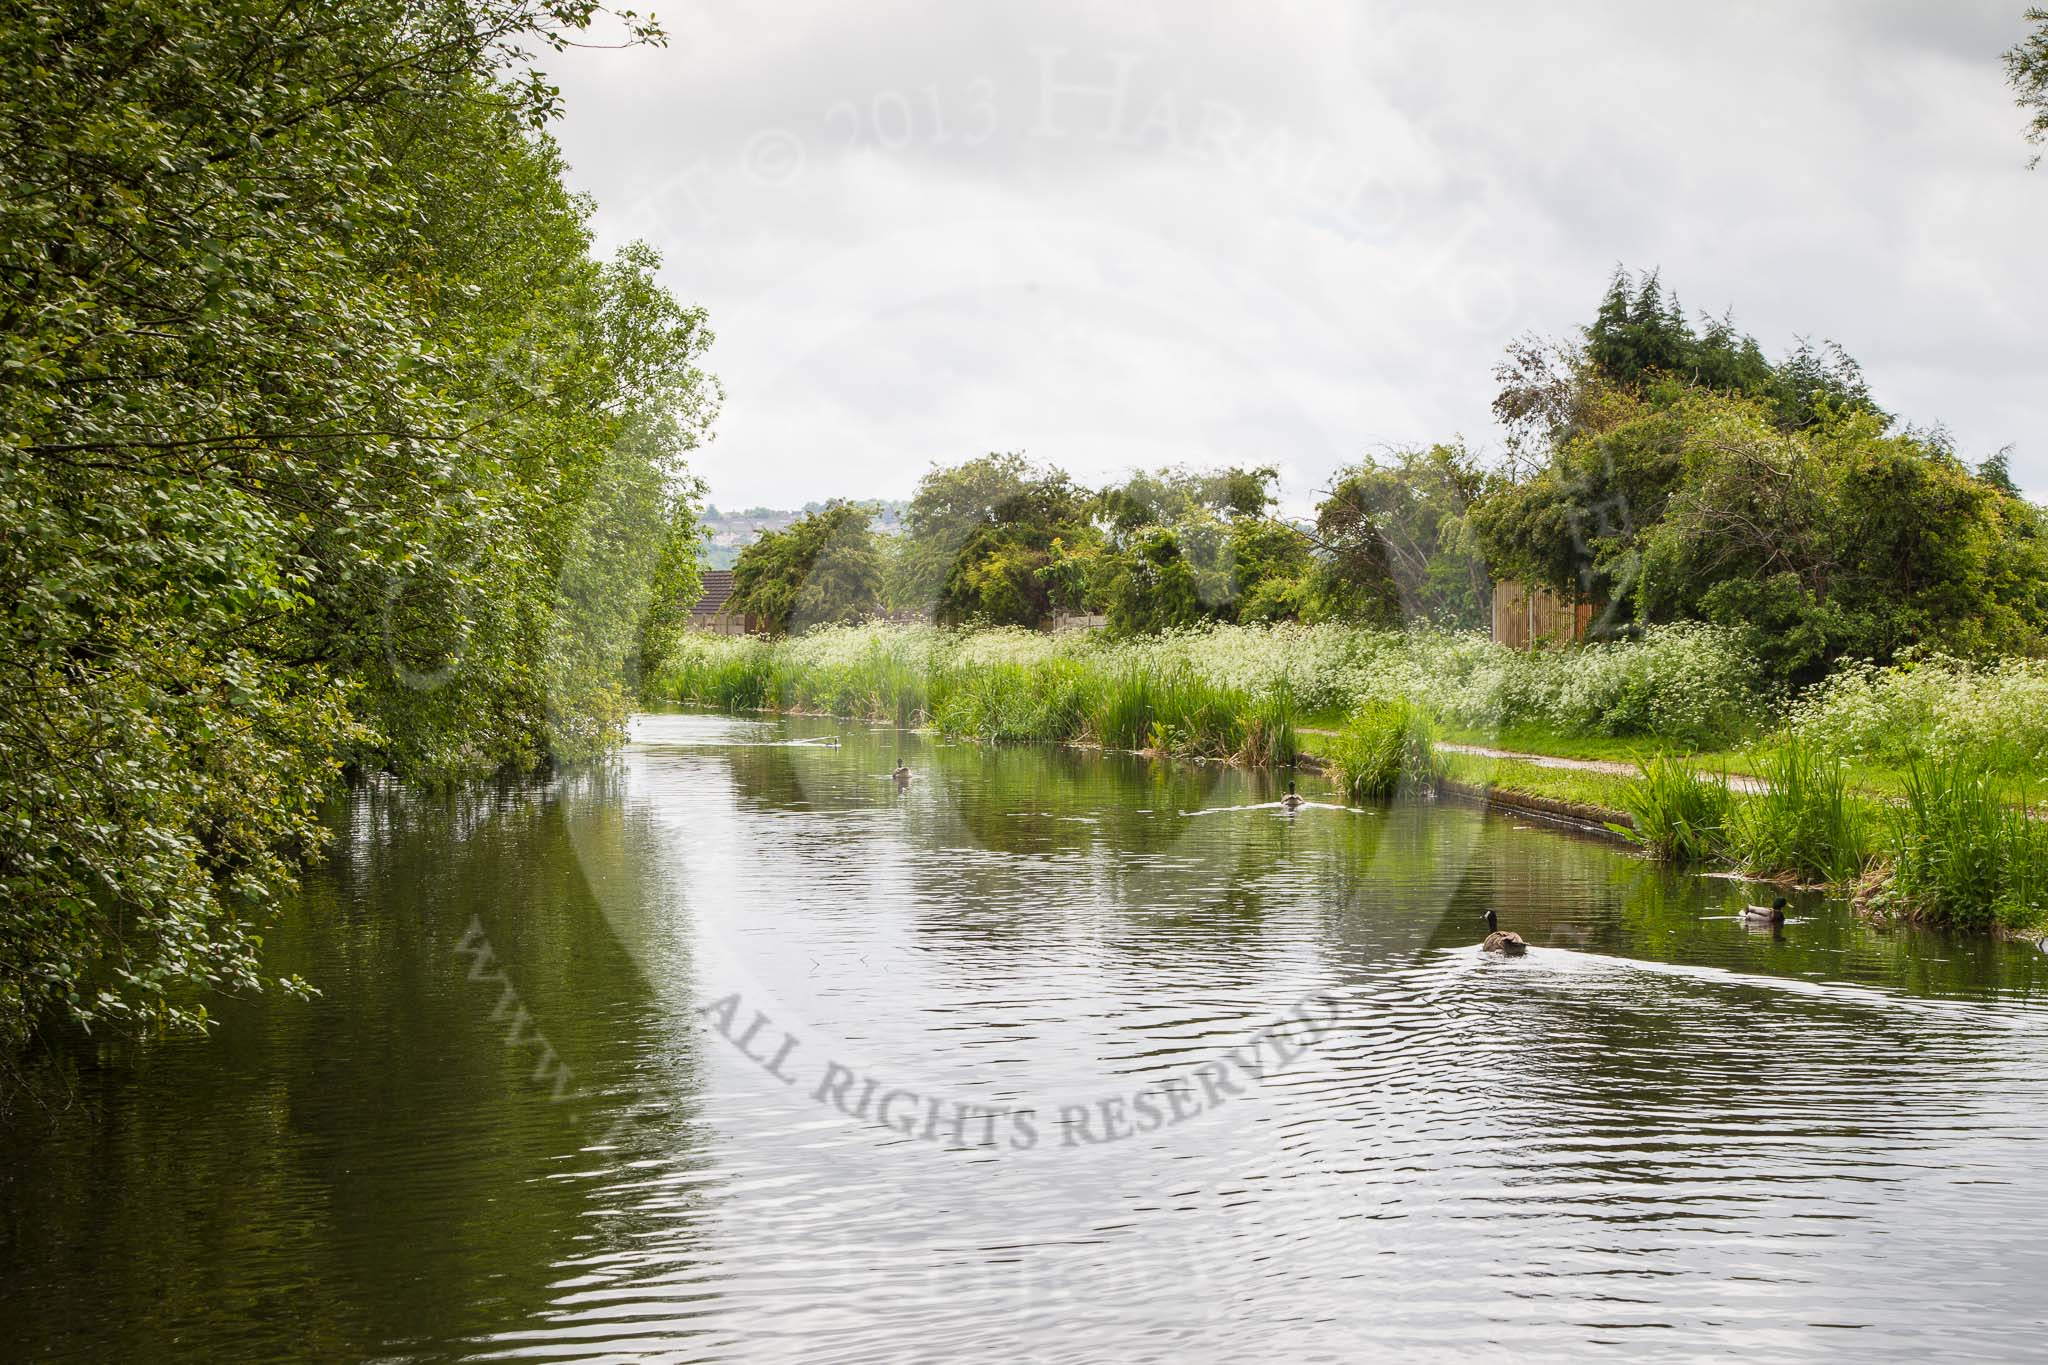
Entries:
{"x":1774,"y":913}
{"x":1291,"y":800}
{"x":902,"y":773}
{"x":1499,"y":941}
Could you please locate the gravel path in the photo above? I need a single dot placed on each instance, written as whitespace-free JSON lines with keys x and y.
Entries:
{"x":1611,"y":767}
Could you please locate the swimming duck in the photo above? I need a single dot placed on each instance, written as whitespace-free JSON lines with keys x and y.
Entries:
{"x":1292,"y":800}
{"x":1774,"y":913}
{"x":1501,"y":941}
{"x":902,"y":773}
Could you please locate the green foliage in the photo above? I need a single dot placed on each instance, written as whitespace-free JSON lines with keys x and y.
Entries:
{"x":822,"y":569}
{"x":1969,"y":847}
{"x":1385,"y":746}
{"x":978,"y":542}
{"x":1678,"y":810}
{"x":1272,"y":566}
{"x":992,"y":685}
{"x":2026,"y":68}
{"x":1182,"y":547}
{"x":1639,"y":339}
{"x":1153,"y":583}
{"x":999,"y":541}
{"x":1804,"y":823}
{"x":1819,"y":534}
{"x":1396,"y":543}
{"x":327,"y":443}
{"x":1677,"y":681}
{"x":1932,"y":710}
{"x":674,"y":586}
{"x":1008,"y":584}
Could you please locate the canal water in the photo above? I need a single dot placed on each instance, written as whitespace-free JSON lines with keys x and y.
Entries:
{"x":739,"y":1050}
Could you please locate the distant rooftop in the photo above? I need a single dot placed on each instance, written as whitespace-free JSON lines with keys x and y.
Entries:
{"x":717,"y":587}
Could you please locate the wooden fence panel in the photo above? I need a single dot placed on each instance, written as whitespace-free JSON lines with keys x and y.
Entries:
{"x":1524,"y":618}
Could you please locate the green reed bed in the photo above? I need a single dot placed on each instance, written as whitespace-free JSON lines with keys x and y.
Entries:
{"x":1384,"y":746}
{"x":1690,"y":683}
{"x":738,"y":683}
{"x":1011,"y":702}
{"x":1270,"y":737}
{"x":1121,"y":714}
{"x":1805,"y":823}
{"x":1969,"y":847}
{"x":1181,"y":713}
{"x":992,"y":686}
{"x":1190,"y":716}
{"x":1678,"y":810}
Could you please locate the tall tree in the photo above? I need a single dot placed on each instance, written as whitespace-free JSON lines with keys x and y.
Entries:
{"x":1640,"y":341}
{"x":327,"y":442}
{"x":1396,"y":544}
{"x":978,"y":540}
{"x":1189,"y":545}
{"x":824,"y":568}
{"x":1836,"y":538}
{"x":2026,"y":68}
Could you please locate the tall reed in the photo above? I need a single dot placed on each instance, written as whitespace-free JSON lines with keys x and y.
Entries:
{"x":1196,"y":718}
{"x":1693,"y":681}
{"x":1804,"y":823}
{"x":1270,"y":739}
{"x":1385,"y":745}
{"x":1679,"y":810}
{"x":1969,"y":847}
{"x":1121,"y":715}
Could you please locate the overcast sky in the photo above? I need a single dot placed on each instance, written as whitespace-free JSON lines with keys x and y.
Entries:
{"x":1118,"y":235}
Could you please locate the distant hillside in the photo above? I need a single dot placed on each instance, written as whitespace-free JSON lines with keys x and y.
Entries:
{"x":727,"y":533}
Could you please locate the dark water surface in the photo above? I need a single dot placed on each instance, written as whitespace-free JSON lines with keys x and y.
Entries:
{"x":1060,"y":1056}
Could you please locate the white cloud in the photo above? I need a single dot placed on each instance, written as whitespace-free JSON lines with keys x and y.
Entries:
{"x":1292,"y":234}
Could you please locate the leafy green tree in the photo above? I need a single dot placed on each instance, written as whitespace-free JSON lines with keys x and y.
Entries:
{"x":672,"y":589}
{"x":1639,"y":341}
{"x":1815,"y":380}
{"x":1675,"y":474}
{"x":1996,"y":471}
{"x":328,"y":445}
{"x":1073,"y":575}
{"x":2026,"y":68}
{"x":1572,"y":523}
{"x":1002,"y":541}
{"x":1183,"y":545}
{"x":1396,"y":542}
{"x":1638,"y":331}
{"x":978,"y":540}
{"x":1839,"y":538}
{"x":1273,"y":563}
{"x":824,"y":568}
{"x":1152,"y":583}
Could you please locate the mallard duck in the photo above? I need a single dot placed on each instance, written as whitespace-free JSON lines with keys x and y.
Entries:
{"x":902,"y":773}
{"x":1501,"y":941}
{"x":1774,"y":913}
{"x":1292,"y":799}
